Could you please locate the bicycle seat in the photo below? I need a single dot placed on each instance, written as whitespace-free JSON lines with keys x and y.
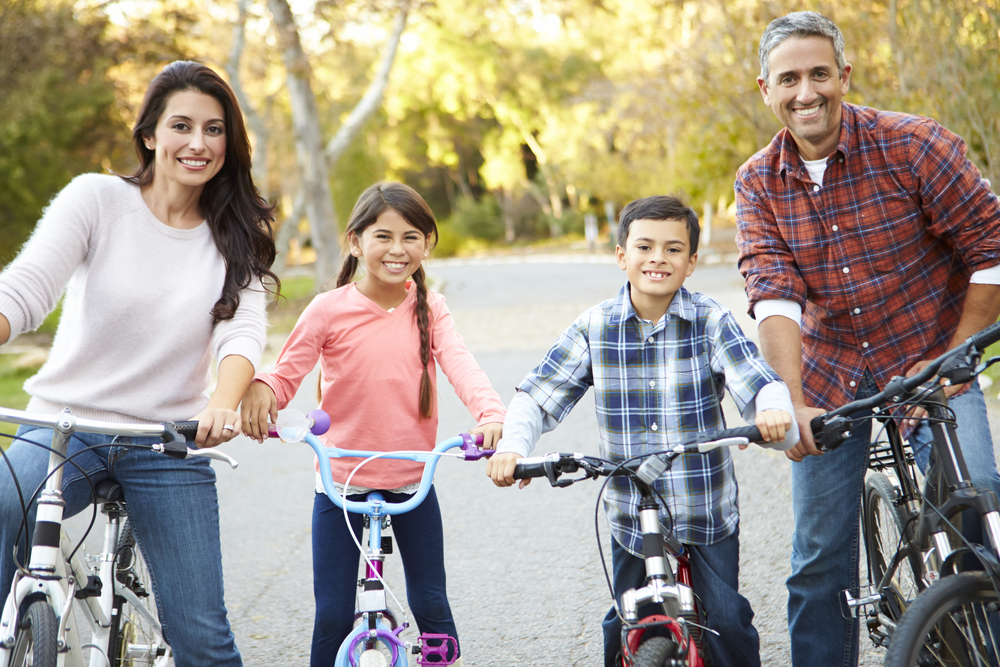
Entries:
{"x":108,"y":491}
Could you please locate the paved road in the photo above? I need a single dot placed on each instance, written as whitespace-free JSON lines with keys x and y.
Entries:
{"x":525,"y":578}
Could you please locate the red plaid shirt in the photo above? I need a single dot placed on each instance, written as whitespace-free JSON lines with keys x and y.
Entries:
{"x":879,"y":257}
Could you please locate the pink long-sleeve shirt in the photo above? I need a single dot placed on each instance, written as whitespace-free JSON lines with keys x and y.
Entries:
{"x":370,"y":363}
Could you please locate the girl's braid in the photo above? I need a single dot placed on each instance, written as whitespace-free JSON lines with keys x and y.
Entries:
{"x":422,"y":315}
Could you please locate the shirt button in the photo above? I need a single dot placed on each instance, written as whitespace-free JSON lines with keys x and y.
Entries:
{"x":649,"y":340}
{"x":653,"y":427}
{"x":852,"y":383}
{"x":841,"y":160}
{"x":815,"y":188}
{"x":846,"y":270}
{"x":652,"y":383}
{"x":864,"y":344}
{"x":835,"y":228}
{"x":857,"y":311}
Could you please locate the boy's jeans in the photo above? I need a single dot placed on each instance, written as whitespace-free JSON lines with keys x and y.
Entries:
{"x":174,"y":509}
{"x":715,"y":574}
{"x":826,"y":497}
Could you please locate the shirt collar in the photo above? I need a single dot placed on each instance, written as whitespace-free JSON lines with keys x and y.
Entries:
{"x":621,"y":308}
{"x":789,"y":161}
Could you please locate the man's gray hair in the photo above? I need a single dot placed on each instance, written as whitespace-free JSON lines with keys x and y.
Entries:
{"x":799,"y":24}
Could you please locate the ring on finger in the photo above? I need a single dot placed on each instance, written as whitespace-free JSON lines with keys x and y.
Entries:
{"x":227,"y":427}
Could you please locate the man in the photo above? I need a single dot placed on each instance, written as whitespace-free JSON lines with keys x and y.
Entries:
{"x":869,"y":245}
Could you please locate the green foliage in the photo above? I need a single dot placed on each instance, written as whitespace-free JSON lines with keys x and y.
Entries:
{"x":477,"y":219}
{"x":57,"y":110}
{"x":449,"y":241}
{"x":298,"y":287}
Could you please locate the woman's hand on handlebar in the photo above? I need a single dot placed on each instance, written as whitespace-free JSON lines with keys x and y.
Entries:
{"x":806,"y":446}
{"x":212,"y":423}
{"x":257,"y":405}
{"x":491,"y":434}
{"x":500,"y":468}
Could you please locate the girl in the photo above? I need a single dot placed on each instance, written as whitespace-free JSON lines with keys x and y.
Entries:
{"x":162,"y":271}
{"x":377,"y":340}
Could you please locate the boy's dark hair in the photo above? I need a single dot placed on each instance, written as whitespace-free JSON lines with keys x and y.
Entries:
{"x":659,"y":207}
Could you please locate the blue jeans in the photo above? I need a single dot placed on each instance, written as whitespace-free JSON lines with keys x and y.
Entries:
{"x":174,"y":510}
{"x":826,"y":498}
{"x":715,"y":573}
{"x":419,"y":537}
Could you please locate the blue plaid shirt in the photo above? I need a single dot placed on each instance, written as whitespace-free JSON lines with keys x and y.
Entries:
{"x":656,"y":385}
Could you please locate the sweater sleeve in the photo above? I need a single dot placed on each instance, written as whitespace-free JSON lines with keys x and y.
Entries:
{"x":300,"y":353}
{"x":466,"y":377}
{"x":246,"y":333}
{"x":31,"y":286}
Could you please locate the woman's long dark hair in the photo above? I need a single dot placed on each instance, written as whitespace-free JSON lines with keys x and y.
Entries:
{"x":238,"y":216}
{"x":403,"y":199}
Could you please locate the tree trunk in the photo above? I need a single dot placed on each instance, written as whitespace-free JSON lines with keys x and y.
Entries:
{"x":257,"y":126}
{"x":308,"y":144}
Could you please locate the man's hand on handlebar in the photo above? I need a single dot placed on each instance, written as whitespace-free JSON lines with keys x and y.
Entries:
{"x":500,"y":468}
{"x":918,"y":413}
{"x":806,"y":446}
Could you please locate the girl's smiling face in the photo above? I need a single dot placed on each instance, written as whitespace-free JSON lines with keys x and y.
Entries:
{"x":391,"y":250}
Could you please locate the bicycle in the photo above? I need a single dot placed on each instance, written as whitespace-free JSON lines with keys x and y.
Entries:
{"x":376,"y":640}
{"x":675,"y":637}
{"x":108,"y":589}
{"x":933,"y":625}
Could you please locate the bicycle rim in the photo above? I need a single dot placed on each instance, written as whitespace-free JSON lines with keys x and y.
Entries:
{"x":955,"y":622}
{"x":885,"y":524}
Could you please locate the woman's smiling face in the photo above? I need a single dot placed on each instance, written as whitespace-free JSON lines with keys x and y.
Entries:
{"x":190,"y":139}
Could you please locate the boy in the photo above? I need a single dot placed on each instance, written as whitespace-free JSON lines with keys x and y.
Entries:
{"x":658,"y":357}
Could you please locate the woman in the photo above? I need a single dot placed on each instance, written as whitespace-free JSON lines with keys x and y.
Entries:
{"x":162,"y":270}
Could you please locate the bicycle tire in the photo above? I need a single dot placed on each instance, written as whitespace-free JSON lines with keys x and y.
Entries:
{"x":654,"y":652}
{"x":134,"y":640}
{"x":955,"y":621}
{"x":35,"y":644}
{"x":885,"y":522}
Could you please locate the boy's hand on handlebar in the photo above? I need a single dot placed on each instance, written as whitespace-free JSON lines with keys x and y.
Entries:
{"x":918,"y":413}
{"x":806,"y":446}
{"x":257,"y":405}
{"x":500,"y":468}
{"x":491,"y":434}
{"x":772,"y":424}
{"x":212,"y":423}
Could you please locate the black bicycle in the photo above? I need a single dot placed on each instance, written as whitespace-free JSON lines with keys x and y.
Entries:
{"x":934,"y":595}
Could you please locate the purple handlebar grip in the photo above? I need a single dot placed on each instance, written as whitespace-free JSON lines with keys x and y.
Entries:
{"x":470,"y":447}
{"x":321,"y":421}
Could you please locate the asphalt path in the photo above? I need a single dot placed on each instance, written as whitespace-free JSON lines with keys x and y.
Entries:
{"x":524,"y":575}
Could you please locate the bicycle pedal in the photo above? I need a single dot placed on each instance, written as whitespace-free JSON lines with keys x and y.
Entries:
{"x":439,"y":652}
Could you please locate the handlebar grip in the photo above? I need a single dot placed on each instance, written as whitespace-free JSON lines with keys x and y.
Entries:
{"x":188,"y":429}
{"x":529,"y":468}
{"x":987,"y":336}
{"x":751,"y":433}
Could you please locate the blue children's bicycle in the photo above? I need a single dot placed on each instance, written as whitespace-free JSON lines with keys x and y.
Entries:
{"x":376,"y":640}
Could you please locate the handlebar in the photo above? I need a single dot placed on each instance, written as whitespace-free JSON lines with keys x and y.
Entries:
{"x":175,"y":435}
{"x":468,"y":443}
{"x":647,"y":468}
{"x":957,"y":366}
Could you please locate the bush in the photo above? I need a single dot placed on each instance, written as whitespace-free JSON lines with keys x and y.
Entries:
{"x":477,"y":219}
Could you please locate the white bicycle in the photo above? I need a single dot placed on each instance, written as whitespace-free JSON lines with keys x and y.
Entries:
{"x":111,"y":589}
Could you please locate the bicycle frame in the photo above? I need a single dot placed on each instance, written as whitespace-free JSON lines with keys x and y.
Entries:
{"x":379,"y":626}
{"x":50,"y":571}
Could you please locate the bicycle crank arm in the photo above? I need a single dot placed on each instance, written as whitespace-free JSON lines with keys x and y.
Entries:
{"x":849,"y":604}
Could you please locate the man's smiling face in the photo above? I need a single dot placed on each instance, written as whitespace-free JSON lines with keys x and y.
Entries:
{"x":804,"y":91}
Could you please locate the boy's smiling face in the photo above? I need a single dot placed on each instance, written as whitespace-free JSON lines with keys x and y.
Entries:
{"x":656,"y":258}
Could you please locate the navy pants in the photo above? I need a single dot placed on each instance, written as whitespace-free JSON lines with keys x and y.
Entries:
{"x":419,"y":538}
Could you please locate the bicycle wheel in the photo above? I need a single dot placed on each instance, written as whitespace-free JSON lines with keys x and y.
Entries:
{"x":654,"y":652}
{"x":884,"y":523}
{"x":954,"y":622}
{"x":35,"y":642}
{"x":136,"y":637}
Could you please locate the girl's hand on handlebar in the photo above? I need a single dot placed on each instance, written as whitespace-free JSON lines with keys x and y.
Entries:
{"x":500,"y":468}
{"x":257,"y":405}
{"x":772,"y":424}
{"x":806,"y":446}
{"x":212,"y":423}
{"x":491,"y":434}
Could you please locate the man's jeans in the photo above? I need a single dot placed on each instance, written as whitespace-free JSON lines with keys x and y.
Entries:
{"x":826,"y":498}
{"x":174,"y":510}
{"x":715,"y":573}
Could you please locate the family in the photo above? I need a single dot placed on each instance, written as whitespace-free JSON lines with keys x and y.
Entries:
{"x":869,"y":244}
